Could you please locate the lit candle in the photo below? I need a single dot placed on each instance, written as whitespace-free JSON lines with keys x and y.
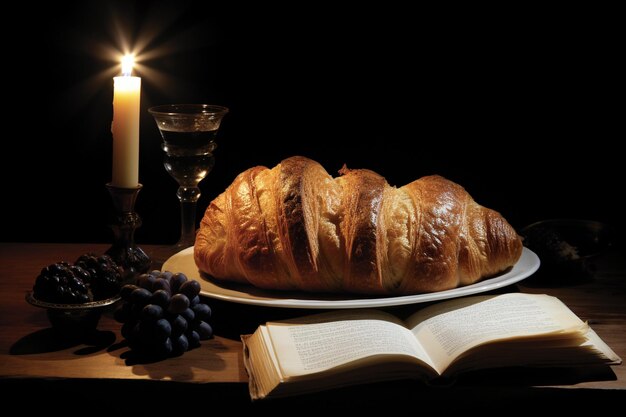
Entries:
{"x":125,"y":127}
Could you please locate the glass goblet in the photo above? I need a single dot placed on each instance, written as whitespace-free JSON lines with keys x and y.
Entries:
{"x":188,"y":132}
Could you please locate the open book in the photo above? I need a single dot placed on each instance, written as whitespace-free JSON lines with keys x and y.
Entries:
{"x":340,"y":348}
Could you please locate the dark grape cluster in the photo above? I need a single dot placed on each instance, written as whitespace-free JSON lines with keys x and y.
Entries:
{"x":106,"y":275}
{"x":90,"y":278}
{"x":163,"y":315}
{"x":62,"y":283}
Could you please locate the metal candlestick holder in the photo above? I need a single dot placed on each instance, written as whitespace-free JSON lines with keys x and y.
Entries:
{"x":124,"y":251}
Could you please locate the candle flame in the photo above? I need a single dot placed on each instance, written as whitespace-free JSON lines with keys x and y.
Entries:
{"x":128,"y":61}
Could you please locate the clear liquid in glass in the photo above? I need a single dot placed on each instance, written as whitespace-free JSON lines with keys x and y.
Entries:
{"x":189,"y":155}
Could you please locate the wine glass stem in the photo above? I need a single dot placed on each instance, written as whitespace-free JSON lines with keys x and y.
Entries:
{"x":188,"y":197}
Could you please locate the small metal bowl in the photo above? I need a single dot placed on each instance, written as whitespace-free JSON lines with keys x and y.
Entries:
{"x":568,"y":248}
{"x":73,"y":318}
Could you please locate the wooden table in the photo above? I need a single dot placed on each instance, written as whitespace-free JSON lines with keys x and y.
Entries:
{"x":33,"y":358}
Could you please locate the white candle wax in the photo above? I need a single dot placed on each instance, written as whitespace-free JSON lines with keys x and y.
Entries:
{"x":125,"y":130}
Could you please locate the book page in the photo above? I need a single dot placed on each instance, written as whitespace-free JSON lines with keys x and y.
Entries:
{"x":449,"y":329}
{"x":321,"y":342}
{"x":594,"y":341}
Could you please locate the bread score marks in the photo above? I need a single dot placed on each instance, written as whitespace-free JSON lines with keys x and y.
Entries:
{"x":502,"y":243}
{"x":215,"y":233}
{"x":292,"y":231}
{"x":249,"y":245}
{"x":397,"y":226}
{"x":435,"y":256}
{"x":360,"y":224}
{"x":301,"y":180}
{"x":332,"y":247}
{"x":486,"y":245}
{"x":472,"y":245}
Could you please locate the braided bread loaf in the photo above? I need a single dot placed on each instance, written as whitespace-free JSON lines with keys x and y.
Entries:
{"x":295,"y":227}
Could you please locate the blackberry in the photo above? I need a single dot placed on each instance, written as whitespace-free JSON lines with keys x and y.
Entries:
{"x":61,"y":283}
{"x":105,"y":276}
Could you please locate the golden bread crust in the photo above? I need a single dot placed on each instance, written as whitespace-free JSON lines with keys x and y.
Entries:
{"x":296,"y":227}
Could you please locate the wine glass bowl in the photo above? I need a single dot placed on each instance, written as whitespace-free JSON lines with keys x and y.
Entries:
{"x":188,"y":132}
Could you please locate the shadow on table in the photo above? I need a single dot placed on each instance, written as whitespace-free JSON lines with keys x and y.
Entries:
{"x":401,"y":398}
{"x":537,"y":377}
{"x":50,"y":340}
{"x":178,"y":368}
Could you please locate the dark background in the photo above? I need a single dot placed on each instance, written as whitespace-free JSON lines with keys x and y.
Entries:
{"x":518,"y":106}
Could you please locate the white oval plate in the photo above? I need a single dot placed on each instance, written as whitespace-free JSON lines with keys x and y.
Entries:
{"x":247,"y":294}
